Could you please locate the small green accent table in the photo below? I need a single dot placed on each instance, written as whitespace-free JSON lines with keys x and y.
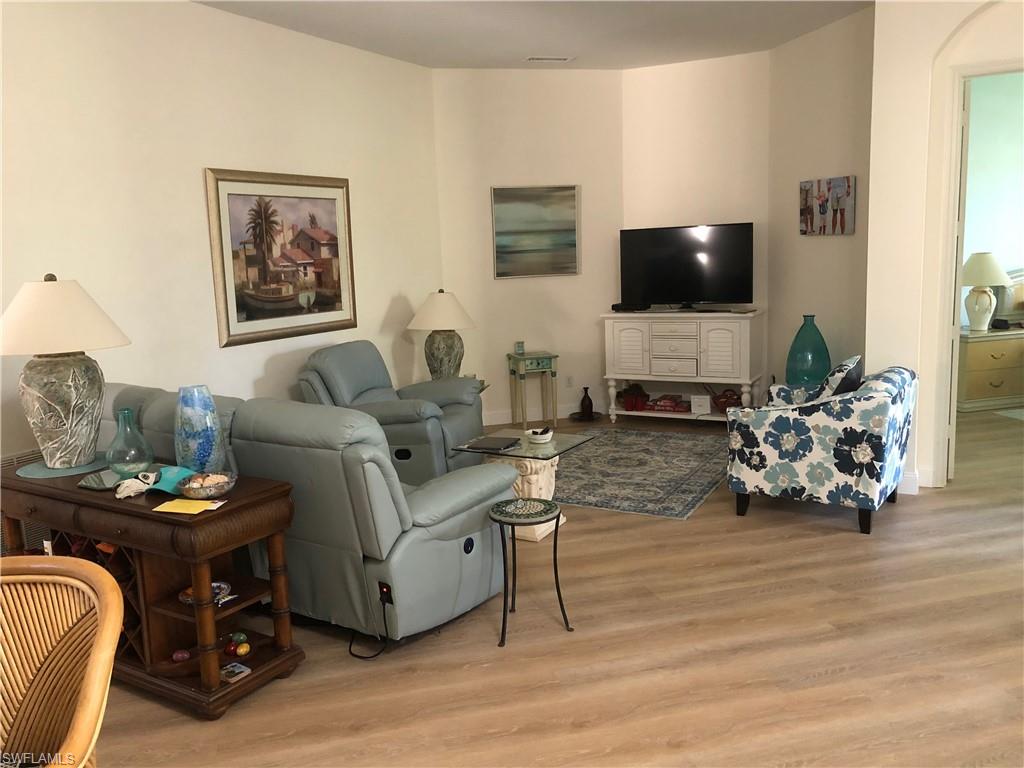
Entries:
{"x":519,"y":366}
{"x":517,"y":512}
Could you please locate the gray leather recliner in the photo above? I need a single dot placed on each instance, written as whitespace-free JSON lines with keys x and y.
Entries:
{"x":423,"y":422}
{"x":356,"y":526}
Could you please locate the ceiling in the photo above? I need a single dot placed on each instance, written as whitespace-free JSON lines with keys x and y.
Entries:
{"x":598,"y":35}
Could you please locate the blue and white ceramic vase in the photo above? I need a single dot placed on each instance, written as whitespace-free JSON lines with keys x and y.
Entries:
{"x":198,"y":437}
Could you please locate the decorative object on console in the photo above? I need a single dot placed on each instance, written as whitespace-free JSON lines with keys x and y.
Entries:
{"x":535,"y":231}
{"x":981,"y":272}
{"x":700,"y":405}
{"x":808,"y":361}
{"x":520,"y":347}
{"x":442,"y":315}
{"x":198,"y":436}
{"x":129,"y":452}
{"x":61,"y":387}
{"x":207,"y":485}
{"x":828,"y":206}
{"x":282,"y":254}
{"x":727,"y":398}
{"x":634,"y":397}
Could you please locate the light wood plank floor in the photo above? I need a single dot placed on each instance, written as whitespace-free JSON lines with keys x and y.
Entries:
{"x":785,"y":638}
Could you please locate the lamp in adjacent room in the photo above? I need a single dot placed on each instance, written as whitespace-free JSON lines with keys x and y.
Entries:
{"x":981,"y":272}
{"x":61,"y":387}
{"x":442,"y":315}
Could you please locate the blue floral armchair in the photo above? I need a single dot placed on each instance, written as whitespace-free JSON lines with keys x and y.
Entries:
{"x":846,"y":450}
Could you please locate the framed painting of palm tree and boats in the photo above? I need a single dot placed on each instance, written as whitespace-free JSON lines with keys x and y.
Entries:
{"x":282,"y":254}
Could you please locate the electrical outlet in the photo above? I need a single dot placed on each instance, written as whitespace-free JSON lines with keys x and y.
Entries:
{"x":569,"y":383}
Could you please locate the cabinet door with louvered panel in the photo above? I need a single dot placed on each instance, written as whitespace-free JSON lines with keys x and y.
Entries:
{"x":631,"y":348}
{"x":719,"y":348}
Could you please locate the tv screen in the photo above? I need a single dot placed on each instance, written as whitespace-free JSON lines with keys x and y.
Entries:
{"x":688,"y":265}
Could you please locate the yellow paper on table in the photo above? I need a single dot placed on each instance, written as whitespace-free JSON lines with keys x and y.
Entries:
{"x":183,"y":506}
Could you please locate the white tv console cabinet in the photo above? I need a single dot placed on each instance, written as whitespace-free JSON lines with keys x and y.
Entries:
{"x":688,"y":347}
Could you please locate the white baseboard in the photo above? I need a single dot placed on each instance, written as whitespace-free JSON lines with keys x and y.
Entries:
{"x":534,"y":412}
{"x":909,"y":484}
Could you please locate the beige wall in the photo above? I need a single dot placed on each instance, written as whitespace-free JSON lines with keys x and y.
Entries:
{"x":111,"y":113}
{"x":921,"y":51}
{"x":820,"y":126}
{"x":729,"y":140}
{"x":516,"y":128}
{"x":695,"y":147}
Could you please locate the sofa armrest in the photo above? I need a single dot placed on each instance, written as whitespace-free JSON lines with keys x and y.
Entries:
{"x":463,"y":390}
{"x":400,"y":411}
{"x":313,"y":389}
{"x":458,"y":491}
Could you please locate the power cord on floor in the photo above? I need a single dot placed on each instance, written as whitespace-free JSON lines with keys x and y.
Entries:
{"x":352,"y":637}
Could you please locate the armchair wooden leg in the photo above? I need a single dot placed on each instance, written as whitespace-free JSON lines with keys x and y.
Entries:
{"x":742,"y":502}
{"x":891,"y":498}
{"x":864,"y":518}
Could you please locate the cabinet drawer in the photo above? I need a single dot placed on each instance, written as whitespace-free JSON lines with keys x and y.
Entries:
{"x":1001,"y":382}
{"x":126,"y":529}
{"x":673,"y":367}
{"x":674,"y":329}
{"x":538,"y":364}
{"x":59,"y":515}
{"x":1001,"y":353}
{"x":663,"y":347}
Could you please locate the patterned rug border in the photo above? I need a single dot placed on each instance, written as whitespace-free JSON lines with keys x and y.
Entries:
{"x":696,"y":498}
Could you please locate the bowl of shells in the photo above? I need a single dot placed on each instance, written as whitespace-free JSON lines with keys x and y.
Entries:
{"x":207,"y":485}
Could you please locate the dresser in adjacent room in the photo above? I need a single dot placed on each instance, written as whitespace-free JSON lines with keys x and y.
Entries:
{"x":991,"y":373}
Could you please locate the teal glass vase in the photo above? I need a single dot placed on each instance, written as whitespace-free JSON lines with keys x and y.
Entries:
{"x":129,"y":453}
{"x":808,"y":362}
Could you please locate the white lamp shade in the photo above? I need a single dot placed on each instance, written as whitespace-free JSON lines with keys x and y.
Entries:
{"x":56,"y":316}
{"x":441,"y":312}
{"x":983,"y":269}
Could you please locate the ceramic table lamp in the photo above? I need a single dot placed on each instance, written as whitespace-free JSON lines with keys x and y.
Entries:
{"x":981,"y":272}
{"x":442,"y":315}
{"x":61,"y":387}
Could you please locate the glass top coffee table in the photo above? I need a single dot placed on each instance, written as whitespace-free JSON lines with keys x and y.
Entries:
{"x":536,"y":464}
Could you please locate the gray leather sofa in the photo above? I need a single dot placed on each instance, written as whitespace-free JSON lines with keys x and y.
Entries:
{"x":356,"y":526}
{"x":423,"y":422}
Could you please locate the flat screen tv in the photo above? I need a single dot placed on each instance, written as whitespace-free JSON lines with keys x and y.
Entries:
{"x":688,"y":265}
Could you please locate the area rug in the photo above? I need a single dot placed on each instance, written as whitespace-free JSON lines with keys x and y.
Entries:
{"x":1013,"y":413}
{"x":667,"y":474}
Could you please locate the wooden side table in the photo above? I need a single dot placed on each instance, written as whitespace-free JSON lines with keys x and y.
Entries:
{"x":521,"y":365}
{"x":153,"y":556}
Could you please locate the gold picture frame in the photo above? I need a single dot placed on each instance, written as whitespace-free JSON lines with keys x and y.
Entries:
{"x":278,"y":270}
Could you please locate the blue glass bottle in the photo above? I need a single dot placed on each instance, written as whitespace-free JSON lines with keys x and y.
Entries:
{"x":198,"y":437}
{"x":129,"y":452}
{"x":808,"y":362}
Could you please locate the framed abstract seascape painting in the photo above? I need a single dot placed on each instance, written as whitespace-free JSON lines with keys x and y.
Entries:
{"x":536,"y":231}
{"x":282,"y":254}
